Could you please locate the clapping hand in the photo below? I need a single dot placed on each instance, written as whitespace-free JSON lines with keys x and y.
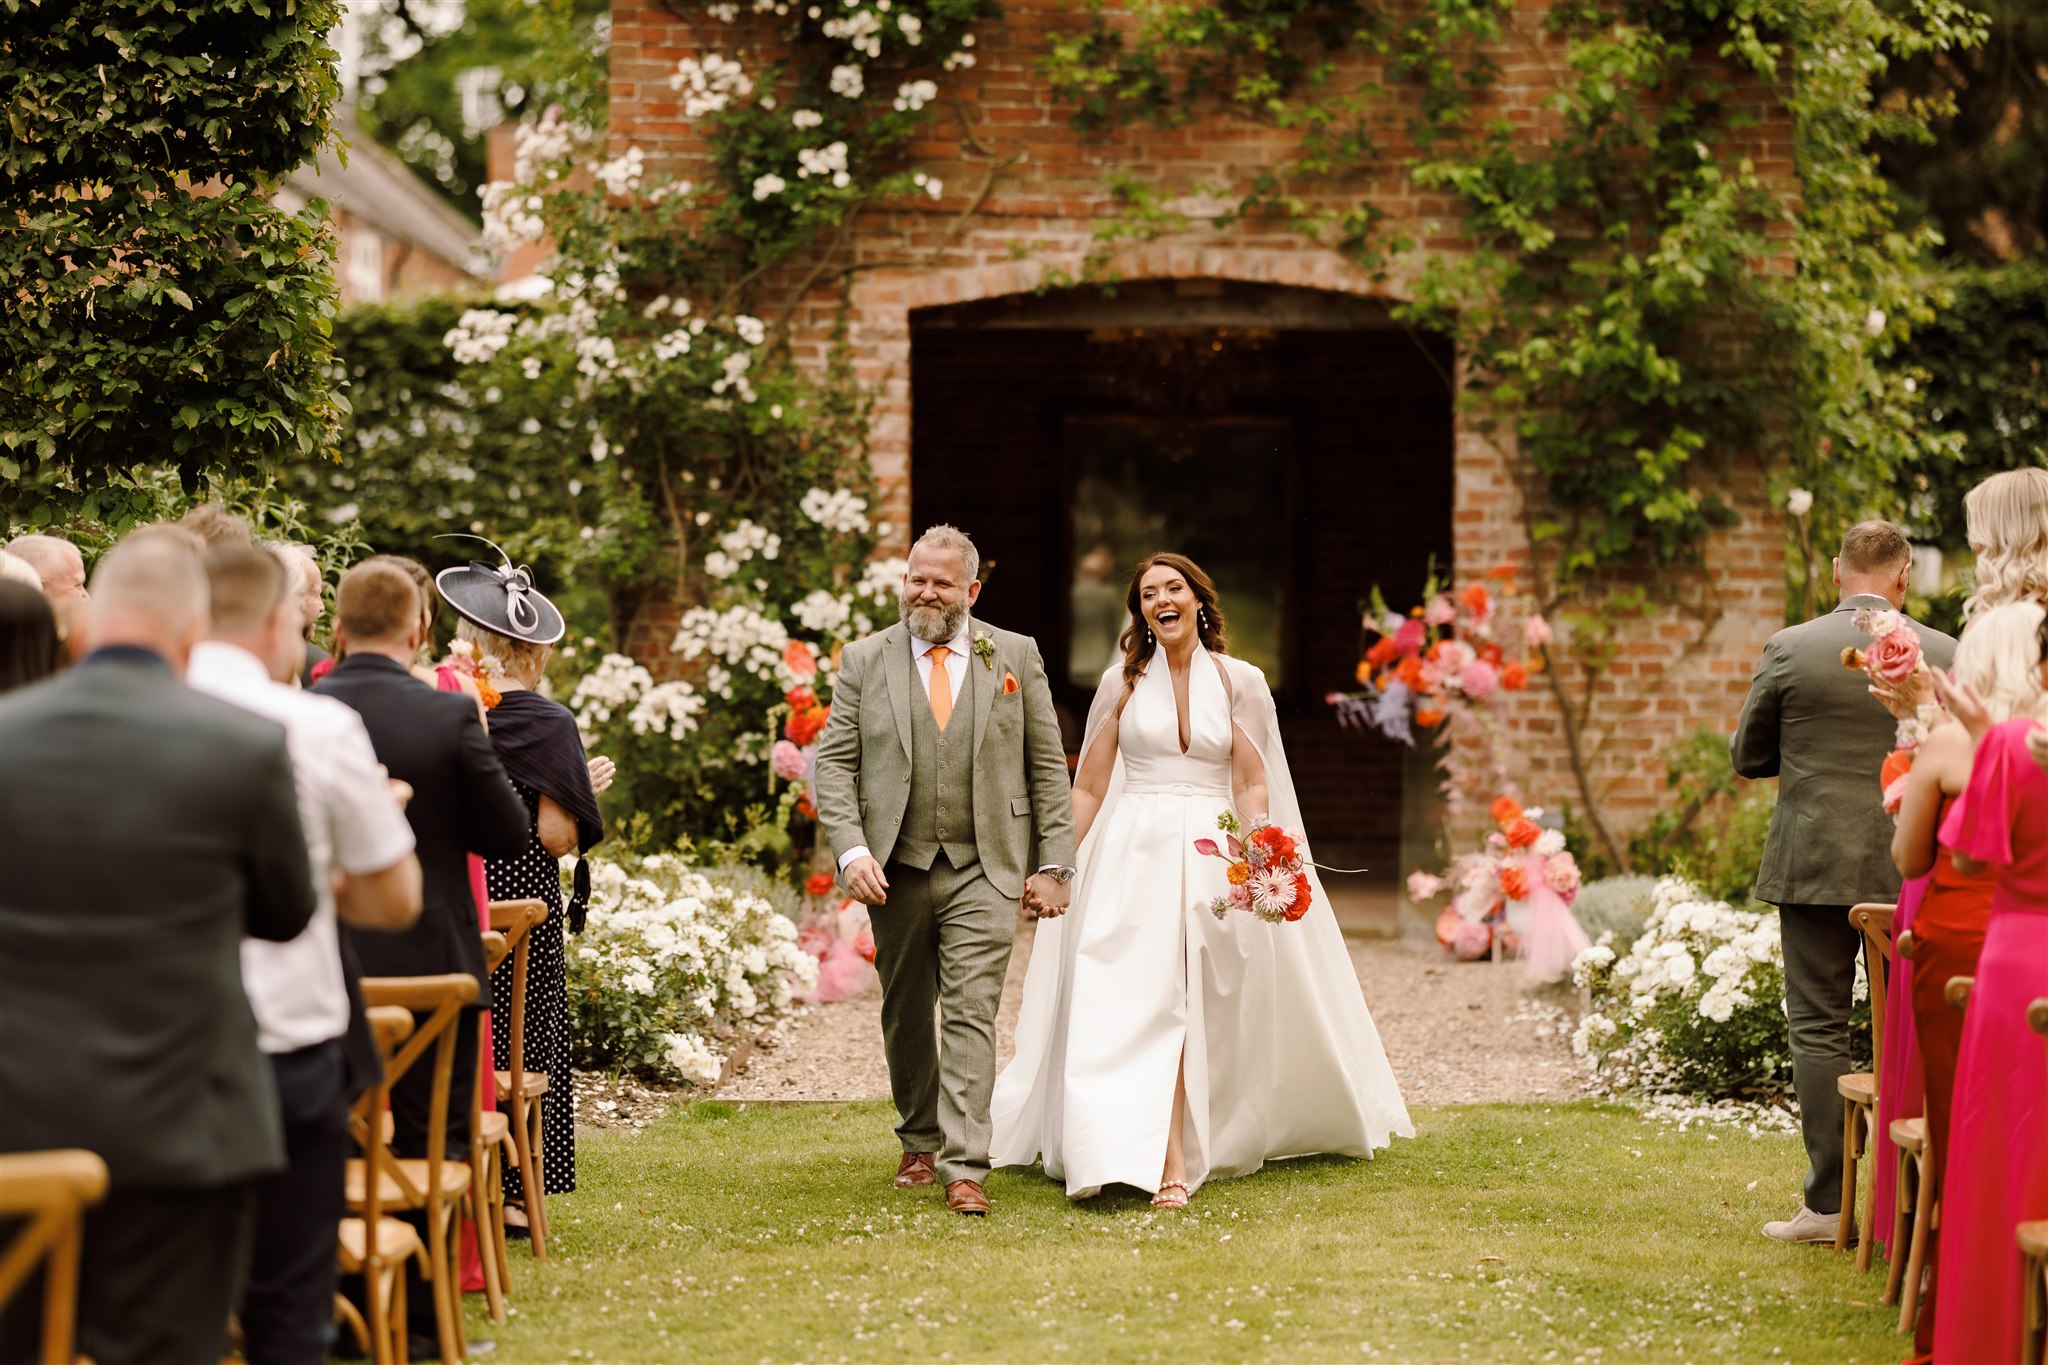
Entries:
{"x":602,"y":771}
{"x":1965,"y":705}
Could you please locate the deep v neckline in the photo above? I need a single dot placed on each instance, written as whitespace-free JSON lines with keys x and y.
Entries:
{"x":1183,"y":717}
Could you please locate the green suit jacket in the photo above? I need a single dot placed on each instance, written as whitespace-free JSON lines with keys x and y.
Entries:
{"x":1813,"y":725}
{"x":1023,"y":808}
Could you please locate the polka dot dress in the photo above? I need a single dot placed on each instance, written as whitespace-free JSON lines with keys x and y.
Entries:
{"x":536,"y":875}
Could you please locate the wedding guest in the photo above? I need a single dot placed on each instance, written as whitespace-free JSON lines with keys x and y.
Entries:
{"x":57,"y":562}
{"x":216,"y":525}
{"x":364,"y":872}
{"x":1996,"y":1174}
{"x":461,"y":803}
{"x":29,"y":648}
{"x":1995,"y":658}
{"x":1810,"y":722}
{"x":144,"y":829}
{"x":312,"y":606}
{"x":509,"y":629}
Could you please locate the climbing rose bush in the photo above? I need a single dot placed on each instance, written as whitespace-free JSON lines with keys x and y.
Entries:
{"x":1695,"y":1006}
{"x":675,"y":968}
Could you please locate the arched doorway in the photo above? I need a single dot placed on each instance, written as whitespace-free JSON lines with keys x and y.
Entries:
{"x":1296,"y":442}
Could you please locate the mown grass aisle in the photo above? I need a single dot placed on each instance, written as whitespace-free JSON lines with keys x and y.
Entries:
{"x":765,"y":1232}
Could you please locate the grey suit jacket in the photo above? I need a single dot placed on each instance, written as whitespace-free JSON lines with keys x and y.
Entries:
{"x":144,"y":829}
{"x":1022,"y":792}
{"x":1813,"y":725}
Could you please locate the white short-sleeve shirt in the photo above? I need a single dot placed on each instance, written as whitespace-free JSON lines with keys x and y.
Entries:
{"x":351,"y":822}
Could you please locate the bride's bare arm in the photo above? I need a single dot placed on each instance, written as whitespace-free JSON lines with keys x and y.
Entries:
{"x":1091,"y":780}
{"x":1247,"y":775}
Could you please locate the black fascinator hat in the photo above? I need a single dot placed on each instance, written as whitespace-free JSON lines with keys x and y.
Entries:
{"x":501,"y":598}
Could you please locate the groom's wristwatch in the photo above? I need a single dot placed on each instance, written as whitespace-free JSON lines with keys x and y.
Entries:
{"x":1062,"y":875}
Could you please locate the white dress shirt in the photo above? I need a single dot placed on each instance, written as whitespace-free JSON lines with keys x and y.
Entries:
{"x":295,"y":989}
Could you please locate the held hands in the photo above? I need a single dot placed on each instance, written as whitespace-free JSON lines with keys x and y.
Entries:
{"x":602,"y":771}
{"x":865,"y":882}
{"x":1045,"y":897}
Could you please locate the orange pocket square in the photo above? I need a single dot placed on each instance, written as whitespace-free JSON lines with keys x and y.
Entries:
{"x":1009,"y":683}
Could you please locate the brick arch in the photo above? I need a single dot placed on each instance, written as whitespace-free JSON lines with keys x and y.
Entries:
{"x":882,"y":300}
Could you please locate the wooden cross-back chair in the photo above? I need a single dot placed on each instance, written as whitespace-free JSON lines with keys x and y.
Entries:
{"x":522,"y":1093}
{"x":373,"y":1245}
{"x":435,"y":1185}
{"x":1858,"y":1089}
{"x":49,"y":1192}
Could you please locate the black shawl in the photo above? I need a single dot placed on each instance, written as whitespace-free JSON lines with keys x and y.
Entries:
{"x":536,"y":739}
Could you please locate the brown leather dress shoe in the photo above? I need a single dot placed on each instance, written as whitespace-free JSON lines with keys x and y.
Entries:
{"x":915,"y":1169}
{"x":964,"y":1196}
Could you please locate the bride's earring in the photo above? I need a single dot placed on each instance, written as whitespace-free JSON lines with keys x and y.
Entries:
{"x":1202,"y":617}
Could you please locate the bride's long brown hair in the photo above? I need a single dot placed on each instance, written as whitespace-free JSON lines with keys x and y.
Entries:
{"x":1138,"y":644}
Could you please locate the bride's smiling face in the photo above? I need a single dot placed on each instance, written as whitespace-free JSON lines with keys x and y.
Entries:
{"x":1168,"y":605}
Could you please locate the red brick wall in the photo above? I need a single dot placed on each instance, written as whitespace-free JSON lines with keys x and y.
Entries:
{"x":1025,"y":190}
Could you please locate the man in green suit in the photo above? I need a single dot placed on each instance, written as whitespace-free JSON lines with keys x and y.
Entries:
{"x":1811,"y":723}
{"x":942,"y":785}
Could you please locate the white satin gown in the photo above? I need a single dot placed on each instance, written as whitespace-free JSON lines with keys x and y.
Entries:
{"x":1281,"y":1053}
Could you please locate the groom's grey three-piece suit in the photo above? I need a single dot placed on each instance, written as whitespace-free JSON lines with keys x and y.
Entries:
{"x":958,"y":817}
{"x":1812,"y":723}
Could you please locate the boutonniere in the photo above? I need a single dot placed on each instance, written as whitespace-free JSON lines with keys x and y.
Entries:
{"x":985,"y":648}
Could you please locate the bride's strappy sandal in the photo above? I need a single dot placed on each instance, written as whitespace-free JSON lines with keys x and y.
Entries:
{"x":1172,"y":1195}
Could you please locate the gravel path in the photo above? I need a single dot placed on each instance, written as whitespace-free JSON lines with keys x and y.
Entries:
{"x":1456,"y":1033}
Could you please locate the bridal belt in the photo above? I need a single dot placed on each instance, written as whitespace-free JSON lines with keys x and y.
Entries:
{"x":1175,"y":789}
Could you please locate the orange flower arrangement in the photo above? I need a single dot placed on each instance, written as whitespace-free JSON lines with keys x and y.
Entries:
{"x":1477,"y":599}
{"x":1522,"y":832}
{"x":1429,"y":719}
{"x":819,"y":884}
{"x":1514,"y":677}
{"x":804,"y":725}
{"x":1505,"y":810}
{"x":1514,"y":883}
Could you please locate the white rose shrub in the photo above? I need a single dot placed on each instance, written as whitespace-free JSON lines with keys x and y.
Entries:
{"x":1696,"y":1005}
{"x":675,"y":967}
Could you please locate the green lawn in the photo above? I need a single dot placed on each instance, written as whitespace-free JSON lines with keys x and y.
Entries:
{"x":1581,"y":1232}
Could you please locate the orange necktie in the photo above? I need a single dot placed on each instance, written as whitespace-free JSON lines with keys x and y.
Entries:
{"x":941,"y":687}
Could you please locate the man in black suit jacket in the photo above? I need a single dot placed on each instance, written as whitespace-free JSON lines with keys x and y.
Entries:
{"x":144,"y":830}
{"x":462,"y":803}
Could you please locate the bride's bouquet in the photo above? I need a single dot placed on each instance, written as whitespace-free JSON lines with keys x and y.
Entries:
{"x":1268,"y":875}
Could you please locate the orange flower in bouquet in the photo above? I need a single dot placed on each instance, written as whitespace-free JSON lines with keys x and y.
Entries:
{"x":804,"y":725}
{"x":1514,"y":677}
{"x":1522,"y":832}
{"x":818,"y":884}
{"x":1429,"y":718}
{"x":800,"y":698}
{"x":1514,"y":883}
{"x":1477,"y":599}
{"x":1505,"y":810}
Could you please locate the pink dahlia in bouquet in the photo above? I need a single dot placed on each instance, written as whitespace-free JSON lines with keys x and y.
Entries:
{"x":1268,"y":873}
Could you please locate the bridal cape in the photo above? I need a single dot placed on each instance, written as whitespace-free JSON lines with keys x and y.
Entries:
{"x":1282,"y":1057}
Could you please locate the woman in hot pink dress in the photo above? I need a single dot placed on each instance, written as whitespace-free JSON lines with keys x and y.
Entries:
{"x":1997,"y":1166}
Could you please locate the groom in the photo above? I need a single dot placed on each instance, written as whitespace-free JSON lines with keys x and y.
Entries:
{"x":942,"y":781}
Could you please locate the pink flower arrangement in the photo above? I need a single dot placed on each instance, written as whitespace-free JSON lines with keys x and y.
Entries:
{"x":1894,"y":647}
{"x":1522,"y":862}
{"x":788,"y":761}
{"x":1442,"y":659}
{"x":1267,"y":874}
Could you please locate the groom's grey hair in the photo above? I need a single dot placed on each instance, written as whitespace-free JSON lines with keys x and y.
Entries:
{"x":944,"y":537}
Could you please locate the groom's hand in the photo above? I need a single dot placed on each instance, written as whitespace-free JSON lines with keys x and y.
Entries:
{"x":1045,"y":895}
{"x":865,"y":882}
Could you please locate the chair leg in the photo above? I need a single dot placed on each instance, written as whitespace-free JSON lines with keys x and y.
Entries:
{"x":447,"y":1307}
{"x":1916,"y":1257}
{"x":377,"y":1307}
{"x":1851,"y":1122}
{"x":400,"y":1343}
{"x":60,"y":1290}
{"x":480,"y":1219}
{"x":1904,"y":1226}
{"x":1866,"y":1244}
{"x":536,"y":1187}
{"x":494,"y":1193}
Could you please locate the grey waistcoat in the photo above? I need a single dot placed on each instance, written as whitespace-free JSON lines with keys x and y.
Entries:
{"x":940,"y":812}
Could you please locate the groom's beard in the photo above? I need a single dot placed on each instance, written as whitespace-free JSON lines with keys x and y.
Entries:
{"x":933,"y":625}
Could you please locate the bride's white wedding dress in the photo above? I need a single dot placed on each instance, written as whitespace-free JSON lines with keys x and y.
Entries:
{"x":1282,"y":1057}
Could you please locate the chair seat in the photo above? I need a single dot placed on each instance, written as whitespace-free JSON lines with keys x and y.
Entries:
{"x":1858,"y":1087}
{"x":493,"y":1126}
{"x":536,"y":1084}
{"x":1910,"y":1135}
{"x":395,"y":1241}
{"x":2032,"y":1239}
{"x":454,"y":1181}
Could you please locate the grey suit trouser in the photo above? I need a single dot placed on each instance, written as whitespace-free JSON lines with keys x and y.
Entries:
{"x":1821,"y":948}
{"x":942,"y":946}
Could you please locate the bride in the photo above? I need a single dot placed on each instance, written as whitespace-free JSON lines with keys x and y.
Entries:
{"x":1158,"y":1046}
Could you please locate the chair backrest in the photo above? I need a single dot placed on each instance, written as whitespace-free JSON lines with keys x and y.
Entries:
{"x":517,"y":921}
{"x":48,"y":1192}
{"x":441,"y":999}
{"x":495,"y":949}
{"x":1874,"y":922}
{"x":390,"y":1025}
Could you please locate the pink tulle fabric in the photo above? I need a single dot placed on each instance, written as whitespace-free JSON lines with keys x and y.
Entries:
{"x":845,"y":950}
{"x":1996,"y":1175}
{"x":1901,"y":1092}
{"x":1551,"y":936}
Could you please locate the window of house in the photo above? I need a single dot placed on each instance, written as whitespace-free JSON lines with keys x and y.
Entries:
{"x":365,"y":263}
